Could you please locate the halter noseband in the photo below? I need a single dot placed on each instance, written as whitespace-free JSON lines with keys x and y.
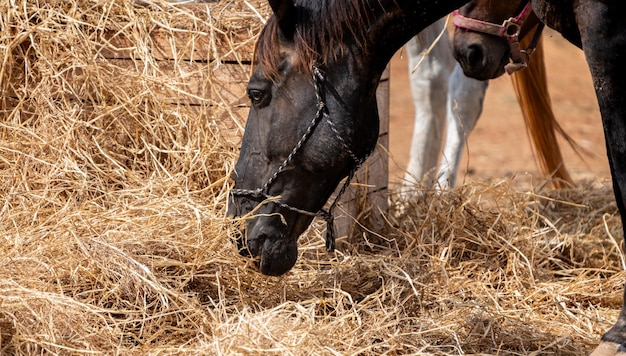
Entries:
{"x":510,"y":30}
{"x":321,"y":114}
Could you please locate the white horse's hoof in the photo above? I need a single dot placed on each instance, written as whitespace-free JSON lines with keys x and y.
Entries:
{"x":606,"y":349}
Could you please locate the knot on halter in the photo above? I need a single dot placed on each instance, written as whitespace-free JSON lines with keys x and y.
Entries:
{"x":318,"y":75}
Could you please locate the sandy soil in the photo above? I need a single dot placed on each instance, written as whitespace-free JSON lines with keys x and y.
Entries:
{"x":499,"y":146}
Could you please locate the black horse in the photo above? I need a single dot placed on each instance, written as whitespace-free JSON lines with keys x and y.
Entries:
{"x":595,"y":26}
{"x":314,"y":117}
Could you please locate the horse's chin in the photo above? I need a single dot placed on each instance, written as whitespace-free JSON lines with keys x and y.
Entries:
{"x":499,"y":69}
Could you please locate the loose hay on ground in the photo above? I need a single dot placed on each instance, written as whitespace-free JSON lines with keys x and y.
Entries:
{"x":114,"y":238}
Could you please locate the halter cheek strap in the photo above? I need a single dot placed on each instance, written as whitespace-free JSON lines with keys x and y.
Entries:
{"x":510,"y":30}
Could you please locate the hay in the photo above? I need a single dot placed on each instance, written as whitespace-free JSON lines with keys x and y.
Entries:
{"x":114,"y":238}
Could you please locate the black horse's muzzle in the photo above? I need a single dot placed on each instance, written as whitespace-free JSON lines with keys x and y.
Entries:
{"x":264,"y":236}
{"x":266,"y":239}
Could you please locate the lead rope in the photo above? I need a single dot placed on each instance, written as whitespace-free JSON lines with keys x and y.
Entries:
{"x":520,"y":57}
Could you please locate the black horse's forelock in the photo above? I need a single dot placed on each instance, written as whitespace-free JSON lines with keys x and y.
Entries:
{"x":320,"y":33}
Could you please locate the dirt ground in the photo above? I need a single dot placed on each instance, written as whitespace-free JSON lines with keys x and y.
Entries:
{"x":499,"y":146}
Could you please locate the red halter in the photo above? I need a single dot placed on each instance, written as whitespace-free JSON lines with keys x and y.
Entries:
{"x":510,"y":30}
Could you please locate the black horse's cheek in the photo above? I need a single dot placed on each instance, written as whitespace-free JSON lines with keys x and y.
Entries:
{"x":278,"y":257}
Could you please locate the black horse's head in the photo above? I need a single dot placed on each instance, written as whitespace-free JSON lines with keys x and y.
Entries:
{"x":313,"y":117}
{"x":487,"y":34}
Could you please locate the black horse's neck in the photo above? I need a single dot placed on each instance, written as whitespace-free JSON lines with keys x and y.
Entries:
{"x":397,"y":21}
{"x":559,"y":15}
{"x":323,"y":31}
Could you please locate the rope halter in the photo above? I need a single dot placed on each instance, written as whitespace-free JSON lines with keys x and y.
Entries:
{"x":319,"y":80}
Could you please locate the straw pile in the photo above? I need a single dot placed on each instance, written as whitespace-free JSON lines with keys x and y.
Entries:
{"x":114,"y":240}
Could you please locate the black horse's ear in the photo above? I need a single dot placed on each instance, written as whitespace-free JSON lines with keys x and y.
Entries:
{"x":285,"y":11}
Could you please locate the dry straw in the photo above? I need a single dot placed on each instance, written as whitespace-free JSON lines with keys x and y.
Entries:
{"x":116,"y":130}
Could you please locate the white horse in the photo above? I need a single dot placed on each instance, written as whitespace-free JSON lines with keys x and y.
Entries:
{"x":443,"y":96}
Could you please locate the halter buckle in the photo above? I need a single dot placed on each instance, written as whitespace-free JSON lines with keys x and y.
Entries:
{"x":511,"y":28}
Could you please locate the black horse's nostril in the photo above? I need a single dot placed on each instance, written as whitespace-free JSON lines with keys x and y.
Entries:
{"x":474,"y":56}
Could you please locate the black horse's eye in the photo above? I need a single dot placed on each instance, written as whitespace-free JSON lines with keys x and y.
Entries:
{"x":255,"y":95}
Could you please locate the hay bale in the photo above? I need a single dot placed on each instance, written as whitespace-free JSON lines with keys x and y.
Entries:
{"x":113,"y":238}
{"x":136,"y":114}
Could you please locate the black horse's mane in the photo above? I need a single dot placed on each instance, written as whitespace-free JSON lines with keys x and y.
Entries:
{"x":321,"y":28}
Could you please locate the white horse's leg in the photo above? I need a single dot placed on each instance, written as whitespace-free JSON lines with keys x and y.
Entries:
{"x":429,"y":86}
{"x":465,"y":103}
